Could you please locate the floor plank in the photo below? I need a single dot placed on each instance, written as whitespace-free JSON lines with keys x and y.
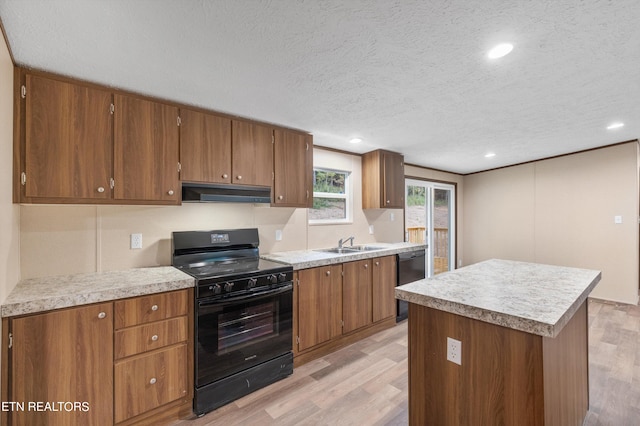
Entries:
{"x":366,"y":382}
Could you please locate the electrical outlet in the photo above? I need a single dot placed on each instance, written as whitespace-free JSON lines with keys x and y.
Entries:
{"x":393,"y":217}
{"x":136,"y":241}
{"x":371,"y":229}
{"x":278,"y":235}
{"x":454,"y":351}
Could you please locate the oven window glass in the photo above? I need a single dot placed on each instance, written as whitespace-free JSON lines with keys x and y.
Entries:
{"x":246,"y":325}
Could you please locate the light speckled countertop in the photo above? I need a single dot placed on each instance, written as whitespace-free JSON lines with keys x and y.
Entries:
{"x":303,"y":259}
{"x":43,"y":294}
{"x":534,"y":298}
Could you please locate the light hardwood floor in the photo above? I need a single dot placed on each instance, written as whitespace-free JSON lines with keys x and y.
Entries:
{"x":366,"y":383}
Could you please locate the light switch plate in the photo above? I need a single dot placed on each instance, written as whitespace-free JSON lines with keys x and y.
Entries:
{"x":617,"y":219}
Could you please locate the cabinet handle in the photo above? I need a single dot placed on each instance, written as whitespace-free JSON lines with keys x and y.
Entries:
{"x":328,"y":273}
{"x":239,"y":177}
{"x":366,"y":265}
{"x":377,"y":263}
{"x":154,"y":337}
{"x":102,"y":315}
{"x":388,"y":202}
{"x":224,"y":176}
{"x":101,"y":189}
{"x":152,"y":381}
{"x":280,"y":197}
{"x":154,"y":308}
{"x":170,"y":192}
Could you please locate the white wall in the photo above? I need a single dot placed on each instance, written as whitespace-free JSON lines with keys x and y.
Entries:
{"x":561,"y":211}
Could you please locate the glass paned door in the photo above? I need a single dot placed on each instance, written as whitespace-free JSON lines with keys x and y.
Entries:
{"x":430,"y":219}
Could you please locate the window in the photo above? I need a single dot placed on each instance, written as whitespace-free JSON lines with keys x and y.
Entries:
{"x":331,"y":197}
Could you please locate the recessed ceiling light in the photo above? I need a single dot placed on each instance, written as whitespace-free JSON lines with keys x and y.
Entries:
{"x":614,"y":126}
{"x":500,"y":50}
{"x":490,"y":154}
{"x":355,"y":140}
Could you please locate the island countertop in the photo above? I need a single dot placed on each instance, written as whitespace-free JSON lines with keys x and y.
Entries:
{"x":43,"y":294}
{"x":530,"y":297}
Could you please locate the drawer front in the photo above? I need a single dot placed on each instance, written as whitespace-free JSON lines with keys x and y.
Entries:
{"x":150,"y":381}
{"x":146,"y":337}
{"x":155,"y":307}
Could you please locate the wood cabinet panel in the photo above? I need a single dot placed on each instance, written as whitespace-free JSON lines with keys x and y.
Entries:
{"x":66,"y":356}
{"x":68,"y":140}
{"x":319,"y":305}
{"x":382,"y":180}
{"x":384,"y":278}
{"x":356,"y":295}
{"x":205,"y":147}
{"x":293,"y":167}
{"x":146,"y":150}
{"x":143,"y":338}
{"x":155,"y":307}
{"x":252,"y":154}
{"x":145,"y":382}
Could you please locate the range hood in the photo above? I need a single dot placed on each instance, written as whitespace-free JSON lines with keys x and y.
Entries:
{"x":203,"y":193}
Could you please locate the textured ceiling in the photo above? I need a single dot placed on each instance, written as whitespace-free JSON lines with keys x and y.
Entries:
{"x":407,"y":75}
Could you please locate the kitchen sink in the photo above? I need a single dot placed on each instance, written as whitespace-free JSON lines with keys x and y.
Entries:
{"x":351,"y":249}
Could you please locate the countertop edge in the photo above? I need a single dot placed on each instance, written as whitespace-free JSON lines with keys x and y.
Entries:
{"x":332,"y":259}
{"x":498,"y":318}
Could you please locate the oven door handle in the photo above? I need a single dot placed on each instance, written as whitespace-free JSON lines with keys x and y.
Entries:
{"x":252,"y":296}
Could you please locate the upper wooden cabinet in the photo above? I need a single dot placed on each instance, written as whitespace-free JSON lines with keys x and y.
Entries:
{"x":382,"y":180}
{"x":293,"y":167}
{"x":205,"y":147}
{"x":252,"y":154}
{"x":146,"y":150}
{"x":68,"y":148}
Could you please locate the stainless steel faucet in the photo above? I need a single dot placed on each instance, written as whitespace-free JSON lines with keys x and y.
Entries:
{"x":343,"y":241}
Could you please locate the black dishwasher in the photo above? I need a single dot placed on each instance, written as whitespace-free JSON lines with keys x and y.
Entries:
{"x":411,"y":266}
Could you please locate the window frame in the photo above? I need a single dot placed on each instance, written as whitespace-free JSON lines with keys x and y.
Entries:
{"x":347,"y":196}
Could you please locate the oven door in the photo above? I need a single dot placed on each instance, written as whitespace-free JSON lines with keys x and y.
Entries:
{"x":236,"y":333}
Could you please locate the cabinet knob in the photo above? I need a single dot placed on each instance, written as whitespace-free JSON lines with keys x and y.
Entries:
{"x":170,"y":192}
{"x":154,"y":308}
{"x":102,"y":315}
{"x":224,"y":176}
{"x":101,"y":189}
{"x":328,"y":273}
{"x":366,"y":265}
{"x":388,"y":201}
{"x":280,"y":197}
{"x":377,"y":263}
{"x":152,"y":381}
{"x":154,"y":337}
{"x":239,"y":177}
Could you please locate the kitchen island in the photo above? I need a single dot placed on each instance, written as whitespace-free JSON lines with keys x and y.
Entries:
{"x":524,"y":345}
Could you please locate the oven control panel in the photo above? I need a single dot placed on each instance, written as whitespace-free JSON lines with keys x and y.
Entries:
{"x":225,"y":287}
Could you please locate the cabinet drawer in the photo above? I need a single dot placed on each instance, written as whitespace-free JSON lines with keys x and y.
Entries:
{"x":146,"y":337}
{"x":156,"y":307}
{"x":149,"y":381}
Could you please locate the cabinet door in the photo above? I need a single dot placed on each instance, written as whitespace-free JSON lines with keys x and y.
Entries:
{"x":292,"y":169}
{"x":319,"y":305}
{"x":383,"y":283}
{"x":252,"y":154}
{"x":205,"y":147}
{"x":356,"y":295}
{"x":65,"y":356}
{"x":146,"y":151}
{"x":393,"y":180}
{"x":68,"y":142}
{"x":146,"y":382}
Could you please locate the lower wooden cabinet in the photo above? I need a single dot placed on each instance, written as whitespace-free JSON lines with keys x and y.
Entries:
{"x":337,"y":304}
{"x":148,"y":381}
{"x":63,"y":358}
{"x":84,"y":366}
